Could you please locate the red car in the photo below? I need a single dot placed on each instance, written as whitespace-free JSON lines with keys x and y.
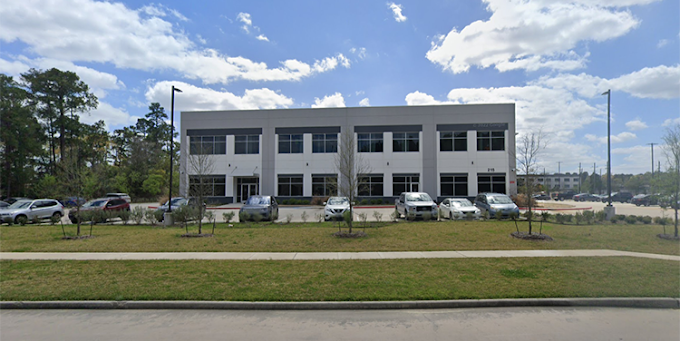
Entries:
{"x":111,"y":204}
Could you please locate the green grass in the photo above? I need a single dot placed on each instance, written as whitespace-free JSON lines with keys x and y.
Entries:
{"x":370,"y":280}
{"x":315,"y":237}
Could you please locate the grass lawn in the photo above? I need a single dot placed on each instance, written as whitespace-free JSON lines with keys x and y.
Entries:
{"x":369,"y":280}
{"x":316,"y":237}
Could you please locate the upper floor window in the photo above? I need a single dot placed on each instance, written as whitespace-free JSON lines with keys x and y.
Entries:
{"x":247,"y":144}
{"x":324,"y":143}
{"x":207,"y":145}
{"x":490,"y":140}
{"x":450,"y":141}
{"x":290,"y":144}
{"x":405,"y":142}
{"x":370,"y":142}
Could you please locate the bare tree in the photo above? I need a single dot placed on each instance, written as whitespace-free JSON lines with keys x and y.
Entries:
{"x":529,"y":148}
{"x":351,"y":166}
{"x":200,"y":166}
{"x":672,"y":151}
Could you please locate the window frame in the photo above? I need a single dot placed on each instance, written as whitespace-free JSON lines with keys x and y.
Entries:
{"x":325,"y":143}
{"x":290,"y":183}
{"x":408,"y":183}
{"x":209,"y":145}
{"x":251,"y":145}
{"x":215,"y":182}
{"x":405,"y":142}
{"x":490,"y":140}
{"x":458,"y":182}
{"x":328,"y":185}
{"x":370,"y":188}
{"x":496,"y":183}
{"x":456,"y":142}
{"x":292,"y":143}
{"x":370,"y":142}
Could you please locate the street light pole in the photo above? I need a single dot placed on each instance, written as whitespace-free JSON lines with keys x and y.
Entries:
{"x":609,"y":210}
{"x":168,"y":217}
{"x":652,"y":144}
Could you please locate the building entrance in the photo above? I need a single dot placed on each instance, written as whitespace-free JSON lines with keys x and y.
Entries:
{"x":246,"y":187}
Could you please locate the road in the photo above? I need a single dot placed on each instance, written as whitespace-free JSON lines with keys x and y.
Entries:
{"x":524,"y":324}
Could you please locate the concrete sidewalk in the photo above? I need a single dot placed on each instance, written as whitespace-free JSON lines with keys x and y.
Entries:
{"x":323,"y":255}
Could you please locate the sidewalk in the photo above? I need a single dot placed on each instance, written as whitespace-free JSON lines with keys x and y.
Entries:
{"x":323,"y":255}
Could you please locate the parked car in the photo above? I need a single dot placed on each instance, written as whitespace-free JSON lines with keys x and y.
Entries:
{"x":561,"y":196}
{"x":73,"y":201}
{"x":585,"y":197}
{"x":618,"y":197}
{"x":458,"y":208}
{"x":645,"y":199}
{"x":23,"y":211}
{"x":263,"y":205}
{"x":416,"y":204}
{"x":119,"y":195}
{"x":177,"y":202}
{"x":110,"y":204}
{"x":496,"y":202}
{"x":3,"y":204}
{"x":335,"y":208}
{"x":541,"y":196}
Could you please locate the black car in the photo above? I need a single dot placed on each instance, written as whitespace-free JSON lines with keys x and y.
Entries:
{"x":541,"y":197}
{"x":645,"y":200}
{"x":619,"y":197}
{"x":262,"y":206}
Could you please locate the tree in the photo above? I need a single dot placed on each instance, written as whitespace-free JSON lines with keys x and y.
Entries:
{"x":528,"y":150}
{"x":672,"y":151}
{"x":351,"y":167}
{"x":201,"y":166}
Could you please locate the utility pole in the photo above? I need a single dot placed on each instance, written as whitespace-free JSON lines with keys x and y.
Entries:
{"x":579,"y":177}
{"x":652,"y":144}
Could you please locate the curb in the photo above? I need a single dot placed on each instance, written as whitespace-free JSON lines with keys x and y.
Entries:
{"x":614,"y":302}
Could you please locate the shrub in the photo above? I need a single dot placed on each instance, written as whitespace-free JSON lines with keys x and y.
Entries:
{"x":243,"y":216}
{"x":304,"y":202}
{"x":469,"y":216}
{"x":304,"y":216}
{"x":347,"y":217}
{"x":578,"y":218}
{"x":545,"y":215}
{"x":137,"y":215}
{"x":560,"y":218}
{"x":289,"y":218}
{"x":427,"y":216}
{"x":318,"y":200}
{"x":521,"y":200}
{"x":256,"y":217}
{"x":614,"y":219}
{"x":377,"y":216}
{"x":210,"y":215}
{"x":631,"y":219}
{"x":599,"y":216}
{"x":363,"y":202}
{"x":514,"y":216}
{"x":588,"y":216}
{"x":641,"y":219}
{"x":228,"y":216}
{"x":528,"y":215}
{"x":54,"y":220}
{"x":320,"y":217}
{"x":285,"y":202}
{"x":181,"y":214}
{"x":646,"y":220}
{"x":124,"y":216}
{"x":151,"y":217}
{"x":394,"y":216}
{"x":363,"y":217}
{"x":499,"y":215}
{"x":158,"y":215}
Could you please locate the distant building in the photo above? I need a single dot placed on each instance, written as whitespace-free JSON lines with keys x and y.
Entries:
{"x":558,"y":181}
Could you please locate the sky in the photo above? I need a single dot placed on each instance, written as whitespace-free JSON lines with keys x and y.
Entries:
{"x":554,"y":59}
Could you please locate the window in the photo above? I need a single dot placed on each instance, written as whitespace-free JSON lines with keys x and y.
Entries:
{"x":405,"y":183}
{"x":324,"y":143}
{"x":370,"y":185}
{"x":290,"y":185}
{"x":207,"y":145}
{"x":453,"y":141}
{"x":567,"y":180}
{"x":290,"y":143}
{"x":490,"y":140}
{"x":370,"y":142}
{"x":453,"y":185}
{"x":405,"y":142}
{"x":324,"y":185}
{"x":491,"y":183}
{"x":207,"y":185}
{"x":247,"y":144}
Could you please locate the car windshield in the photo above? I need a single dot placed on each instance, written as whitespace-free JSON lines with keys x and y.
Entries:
{"x":20,"y":204}
{"x":461,"y":203}
{"x":418,"y":197}
{"x":95,"y":203}
{"x":176,"y":201}
{"x":338,"y":201}
{"x":258,"y":201}
{"x":499,"y":200}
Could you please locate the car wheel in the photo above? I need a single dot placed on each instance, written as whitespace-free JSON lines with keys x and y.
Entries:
{"x":450,"y":216}
{"x":56,"y":216}
{"x":21,"y":219}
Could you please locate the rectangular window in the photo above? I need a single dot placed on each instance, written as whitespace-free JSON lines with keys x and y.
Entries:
{"x":453,"y":141}
{"x":370,"y":185}
{"x":405,"y":183}
{"x":324,"y":143}
{"x":207,"y":185}
{"x":370,"y":142}
{"x":490,"y":140}
{"x":199,"y":145}
{"x":453,"y":185}
{"x":324,"y":185}
{"x":491,"y":183}
{"x":247,"y":144}
{"x":290,"y":144}
{"x":290,"y":185}
{"x":405,"y":142}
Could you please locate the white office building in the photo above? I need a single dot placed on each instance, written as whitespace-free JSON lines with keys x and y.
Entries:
{"x":444,"y":150}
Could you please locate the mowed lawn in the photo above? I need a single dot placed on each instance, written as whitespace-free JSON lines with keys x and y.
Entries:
{"x":317,"y":237}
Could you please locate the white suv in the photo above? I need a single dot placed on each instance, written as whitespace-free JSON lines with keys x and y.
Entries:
{"x":416,"y":204}
{"x":24,"y":211}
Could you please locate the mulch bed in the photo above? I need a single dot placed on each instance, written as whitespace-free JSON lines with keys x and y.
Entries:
{"x":668,"y":237}
{"x":341,"y":234}
{"x":533,"y":236}
{"x":196,"y":235}
{"x":76,"y":237}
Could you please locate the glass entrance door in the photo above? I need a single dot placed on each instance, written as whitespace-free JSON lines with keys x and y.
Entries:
{"x":247,"y":187}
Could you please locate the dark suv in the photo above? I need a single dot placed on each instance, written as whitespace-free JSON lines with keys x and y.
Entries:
{"x":619,"y":196}
{"x":111,"y":204}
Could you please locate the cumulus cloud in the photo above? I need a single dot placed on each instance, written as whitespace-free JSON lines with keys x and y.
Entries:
{"x":396,"y":10}
{"x":262,"y":37}
{"x":112,"y":116}
{"x":197,"y":98}
{"x":245,"y":19}
{"x":365,"y":102}
{"x":636,"y":125}
{"x":533,"y":34}
{"x":331,"y":101}
{"x":671,"y":121}
{"x":105,"y":32}
{"x":621,"y":137}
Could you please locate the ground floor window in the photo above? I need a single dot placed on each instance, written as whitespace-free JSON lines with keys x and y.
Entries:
{"x":405,"y":183}
{"x":324,"y":185}
{"x":207,"y":185}
{"x":290,"y":185}
{"x":453,"y":185}
{"x":370,"y":185}
{"x":491,"y":183}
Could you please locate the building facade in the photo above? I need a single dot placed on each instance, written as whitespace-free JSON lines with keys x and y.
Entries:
{"x":444,"y":150}
{"x":559,"y":181}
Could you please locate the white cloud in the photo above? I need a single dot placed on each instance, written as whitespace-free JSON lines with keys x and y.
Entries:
{"x":662,"y":43}
{"x":621,"y":137}
{"x":331,"y":101}
{"x":262,"y":37}
{"x":112,"y":116}
{"x":360,"y":52}
{"x":365,"y":102}
{"x":421,"y":98}
{"x":636,"y":125}
{"x":671,"y":121}
{"x":245,"y":19}
{"x":396,"y":10}
{"x":533,"y":34}
{"x":105,"y":32}
{"x":197,"y":98}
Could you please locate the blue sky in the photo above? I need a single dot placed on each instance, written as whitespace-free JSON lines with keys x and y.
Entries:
{"x":552,"y":58}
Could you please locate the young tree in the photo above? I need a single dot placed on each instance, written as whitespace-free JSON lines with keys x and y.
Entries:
{"x":529,"y":147}
{"x":351,"y":166}
{"x":672,"y":151}
{"x":200,"y":167}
